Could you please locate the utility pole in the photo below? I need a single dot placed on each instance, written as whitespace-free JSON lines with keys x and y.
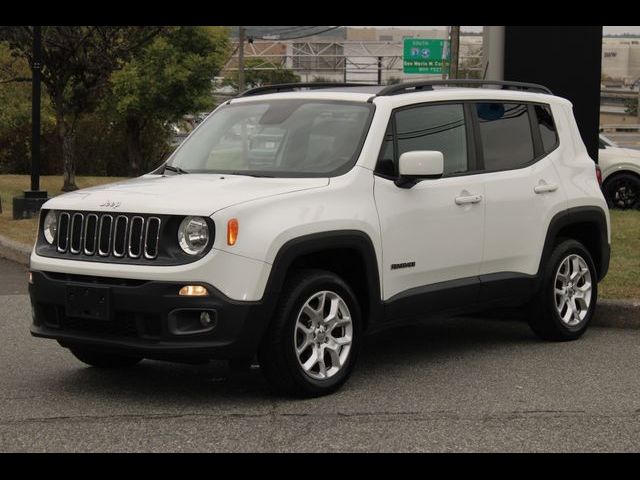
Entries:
{"x":28,"y":205}
{"x":35,"y":109}
{"x":493,"y":52}
{"x":241,"y":35}
{"x":455,"y":52}
{"x":379,"y":70}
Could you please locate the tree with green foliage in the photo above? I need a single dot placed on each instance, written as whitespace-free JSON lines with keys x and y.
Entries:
{"x":256,"y":75}
{"x":168,"y":78}
{"x":77,"y":62}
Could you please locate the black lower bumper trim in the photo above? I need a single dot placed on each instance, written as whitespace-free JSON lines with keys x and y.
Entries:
{"x":138,"y":321}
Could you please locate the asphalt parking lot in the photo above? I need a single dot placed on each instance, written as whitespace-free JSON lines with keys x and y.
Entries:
{"x":458,"y":385}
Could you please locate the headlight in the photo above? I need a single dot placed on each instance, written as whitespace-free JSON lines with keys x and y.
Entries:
{"x":50,"y":226}
{"x":193,"y":235}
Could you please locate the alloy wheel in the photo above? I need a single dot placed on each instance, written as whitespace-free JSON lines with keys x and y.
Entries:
{"x":323,"y":335}
{"x":573,"y":290}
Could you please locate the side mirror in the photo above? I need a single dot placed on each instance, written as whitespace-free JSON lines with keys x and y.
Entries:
{"x":418,"y":165}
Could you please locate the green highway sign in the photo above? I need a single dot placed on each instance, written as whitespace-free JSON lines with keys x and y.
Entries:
{"x":422,"y":55}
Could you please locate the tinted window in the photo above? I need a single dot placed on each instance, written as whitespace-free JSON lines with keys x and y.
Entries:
{"x":505,"y":132}
{"x":547,"y":127}
{"x":434,"y":127}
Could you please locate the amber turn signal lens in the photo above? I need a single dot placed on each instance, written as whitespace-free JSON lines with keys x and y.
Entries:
{"x":232,"y":231}
{"x":193,"y":291}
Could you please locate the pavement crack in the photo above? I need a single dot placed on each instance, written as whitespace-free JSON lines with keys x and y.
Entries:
{"x":273,"y":416}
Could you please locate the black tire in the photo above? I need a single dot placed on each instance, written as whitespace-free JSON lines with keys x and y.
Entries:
{"x":622,"y":191}
{"x":543,"y":315}
{"x":102,"y":359}
{"x":277,"y":355}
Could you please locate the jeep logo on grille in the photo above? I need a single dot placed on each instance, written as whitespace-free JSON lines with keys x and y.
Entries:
{"x":109,"y":204}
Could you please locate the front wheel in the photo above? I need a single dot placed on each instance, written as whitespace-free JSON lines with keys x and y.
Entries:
{"x":567,"y":298}
{"x":312,"y":342}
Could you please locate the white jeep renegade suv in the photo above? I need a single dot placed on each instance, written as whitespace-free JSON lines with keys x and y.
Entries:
{"x":297,"y":218}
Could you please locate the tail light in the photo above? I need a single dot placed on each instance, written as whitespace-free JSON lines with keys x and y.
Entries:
{"x":599,"y":174}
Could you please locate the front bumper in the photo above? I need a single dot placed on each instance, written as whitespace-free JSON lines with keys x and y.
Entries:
{"x":141,"y":319}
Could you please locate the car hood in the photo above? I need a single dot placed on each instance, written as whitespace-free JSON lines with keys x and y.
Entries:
{"x":621,"y":152}
{"x":192,"y":194}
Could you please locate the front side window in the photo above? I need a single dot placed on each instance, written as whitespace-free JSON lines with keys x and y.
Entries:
{"x":428,"y":127}
{"x":505,"y":133}
{"x":278,"y":138}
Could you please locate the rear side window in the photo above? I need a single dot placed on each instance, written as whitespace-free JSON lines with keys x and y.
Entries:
{"x":547,"y":127}
{"x":505,"y":132}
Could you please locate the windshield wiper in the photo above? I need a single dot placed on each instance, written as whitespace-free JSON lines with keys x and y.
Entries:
{"x":171,"y":168}
{"x":247,"y":174}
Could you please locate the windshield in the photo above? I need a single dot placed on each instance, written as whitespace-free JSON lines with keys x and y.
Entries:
{"x":277,"y":138}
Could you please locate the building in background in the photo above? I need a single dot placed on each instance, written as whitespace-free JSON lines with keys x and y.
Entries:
{"x":621,"y":60}
{"x":349,"y":54}
{"x":620,"y":92}
{"x":374,"y":55}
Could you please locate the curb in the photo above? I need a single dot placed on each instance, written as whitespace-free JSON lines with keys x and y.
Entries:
{"x":609,"y":313}
{"x":617,"y":314}
{"x":15,"y":251}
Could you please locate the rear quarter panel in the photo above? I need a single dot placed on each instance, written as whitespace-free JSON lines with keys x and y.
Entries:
{"x":576,"y":167}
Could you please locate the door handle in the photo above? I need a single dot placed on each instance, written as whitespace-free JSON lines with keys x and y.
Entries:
{"x":545,"y":188}
{"x":467,"y":199}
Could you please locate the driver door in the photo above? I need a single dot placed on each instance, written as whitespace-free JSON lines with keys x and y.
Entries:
{"x":432,"y":233}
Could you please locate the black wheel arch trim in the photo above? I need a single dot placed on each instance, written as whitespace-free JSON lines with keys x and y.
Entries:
{"x":316,"y":243}
{"x":574,"y":216}
{"x":613,"y":175}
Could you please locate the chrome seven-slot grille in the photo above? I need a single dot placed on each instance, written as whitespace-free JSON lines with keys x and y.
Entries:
{"x":107,"y":235}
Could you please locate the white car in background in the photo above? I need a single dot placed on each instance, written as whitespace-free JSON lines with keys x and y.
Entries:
{"x":620,"y":174}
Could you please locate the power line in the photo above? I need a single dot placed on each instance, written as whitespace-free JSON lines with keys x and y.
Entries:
{"x":298,"y":36}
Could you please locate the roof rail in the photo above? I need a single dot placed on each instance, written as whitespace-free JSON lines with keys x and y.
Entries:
{"x":429,"y":84}
{"x":289,"y":87}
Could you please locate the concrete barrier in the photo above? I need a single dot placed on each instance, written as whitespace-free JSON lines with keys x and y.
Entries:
{"x":617,"y":314}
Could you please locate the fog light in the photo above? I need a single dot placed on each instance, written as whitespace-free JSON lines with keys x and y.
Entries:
{"x":191,"y":321}
{"x":31,"y":278}
{"x":205,"y":319}
{"x":193,"y":291}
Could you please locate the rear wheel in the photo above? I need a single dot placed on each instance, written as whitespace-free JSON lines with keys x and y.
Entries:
{"x":622,"y":191}
{"x":311,"y":345}
{"x":103,"y":360}
{"x":567,"y":298}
